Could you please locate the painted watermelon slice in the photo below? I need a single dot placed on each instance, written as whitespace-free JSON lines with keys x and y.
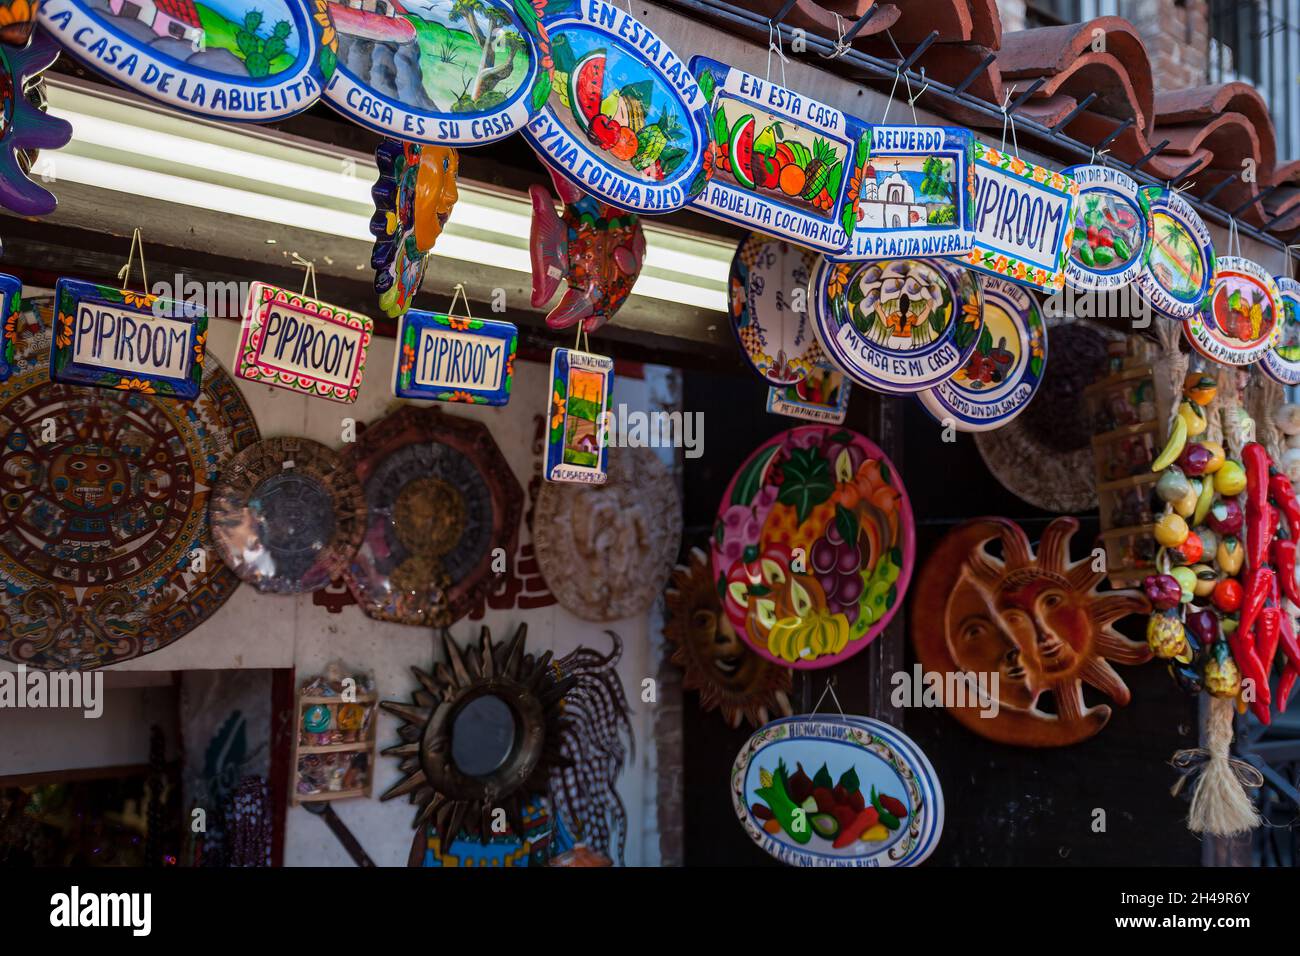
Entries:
{"x":585,"y":85}
{"x":742,"y":150}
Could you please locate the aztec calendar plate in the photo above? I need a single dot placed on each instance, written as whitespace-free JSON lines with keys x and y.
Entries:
{"x":288,"y":515}
{"x":103,"y":505}
{"x":440,"y":500}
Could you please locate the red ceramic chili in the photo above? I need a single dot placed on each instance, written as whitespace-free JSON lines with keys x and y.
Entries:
{"x":1283,"y":553}
{"x":1283,"y":495}
{"x":1255,"y":460}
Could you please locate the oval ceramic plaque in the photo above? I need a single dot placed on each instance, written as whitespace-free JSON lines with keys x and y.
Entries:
{"x":443,"y":72}
{"x":1003,"y":373}
{"x":837,"y":791}
{"x":249,"y":60}
{"x":813,"y":546}
{"x":620,"y":114}
{"x":1110,"y":230}
{"x":897,"y":325}
{"x":769,"y":283}
{"x":1178,"y":259}
{"x":1242,"y":321}
{"x":1282,"y":362}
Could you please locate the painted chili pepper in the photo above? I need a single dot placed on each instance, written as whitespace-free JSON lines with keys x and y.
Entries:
{"x":1286,"y":685}
{"x":887,"y":818}
{"x":1255,"y":460}
{"x":864,"y":821}
{"x":1287,"y":637}
{"x":1268,"y":631}
{"x":1283,"y":495}
{"x":1241,"y":639}
{"x":1283,"y":554}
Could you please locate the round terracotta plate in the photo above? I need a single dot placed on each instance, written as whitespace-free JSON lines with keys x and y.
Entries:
{"x":838,"y":767}
{"x":769,"y":281}
{"x":1282,"y":362}
{"x":1003,"y":373}
{"x":813,"y":546}
{"x":1242,"y":319}
{"x":287,"y":515}
{"x":896,"y":325}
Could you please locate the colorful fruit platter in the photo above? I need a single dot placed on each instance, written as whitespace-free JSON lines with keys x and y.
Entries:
{"x":813,"y":546}
{"x":873,"y":799}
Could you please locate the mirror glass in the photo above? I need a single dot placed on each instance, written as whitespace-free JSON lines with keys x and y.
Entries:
{"x":482,"y":736}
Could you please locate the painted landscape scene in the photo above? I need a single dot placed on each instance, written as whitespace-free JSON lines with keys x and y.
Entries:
{"x":1174,"y":258}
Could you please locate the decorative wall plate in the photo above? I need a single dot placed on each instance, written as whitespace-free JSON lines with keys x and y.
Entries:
{"x":292,"y":341}
{"x":821,"y":397}
{"x":872,"y":797}
{"x":783,"y":163}
{"x":730,"y":677}
{"x":250,"y":60}
{"x":24,"y":127}
{"x":115,"y":338}
{"x":448,"y":358}
{"x":287,"y":515}
{"x":577,"y":448}
{"x":916,"y":193}
{"x":623,"y":118}
{"x":1024,"y":219}
{"x":1110,"y":230}
{"x":437,"y":72}
{"x":831,"y":496}
{"x":1003,"y":373}
{"x":606,"y":551}
{"x":1178,"y":259}
{"x":1034,"y":621}
{"x":11,"y":308}
{"x":1242,"y":319}
{"x":413,"y":196}
{"x":769,"y":308}
{"x":101,"y":524}
{"x":440,"y":499}
{"x":1282,"y":362}
{"x":898,"y":325}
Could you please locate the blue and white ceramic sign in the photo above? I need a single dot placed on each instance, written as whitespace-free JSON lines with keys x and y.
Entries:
{"x":837,"y":791}
{"x":435,"y":71}
{"x":768,"y":291}
{"x":783,"y":163}
{"x":1005,"y":369}
{"x":1178,"y":260}
{"x":447,"y":358}
{"x":1282,"y":362}
{"x":622,"y":116}
{"x":133,"y":341}
{"x":915,"y":193}
{"x":577,"y":447}
{"x":1110,"y":230}
{"x":897,"y":325}
{"x":250,"y":60}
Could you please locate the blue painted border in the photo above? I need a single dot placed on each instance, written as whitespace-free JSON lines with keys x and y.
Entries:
{"x":1157,"y":199}
{"x":414,"y":322}
{"x":555,"y":446}
{"x":1116,"y":183}
{"x":1273,"y":365}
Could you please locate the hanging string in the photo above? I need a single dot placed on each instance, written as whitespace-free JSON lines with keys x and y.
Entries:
{"x":1234,"y":237}
{"x":581,"y":343}
{"x":124,"y":274}
{"x":1007,"y":118}
{"x":1096,"y":155}
{"x":775,"y":45}
{"x":310,"y":277}
{"x":459,"y":293}
{"x":884,"y":117}
{"x":840,"y":46}
{"x":830,"y":689}
{"x":911,"y":100}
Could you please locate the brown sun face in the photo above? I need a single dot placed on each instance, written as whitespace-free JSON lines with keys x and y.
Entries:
{"x":1035,"y":621}
{"x":729,"y":676}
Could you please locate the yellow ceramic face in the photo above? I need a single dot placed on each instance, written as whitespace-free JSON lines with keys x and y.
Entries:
{"x":435,"y":193}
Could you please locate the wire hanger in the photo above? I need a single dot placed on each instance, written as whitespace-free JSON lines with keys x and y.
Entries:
{"x":310,"y":277}
{"x":124,"y":274}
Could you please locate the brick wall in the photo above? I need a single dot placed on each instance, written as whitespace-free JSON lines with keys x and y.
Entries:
{"x":1177,"y":36}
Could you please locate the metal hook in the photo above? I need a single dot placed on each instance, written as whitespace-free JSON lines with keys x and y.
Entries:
{"x":124,"y":274}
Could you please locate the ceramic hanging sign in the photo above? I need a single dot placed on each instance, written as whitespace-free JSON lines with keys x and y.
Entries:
{"x":115,"y":338}
{"x":11,"y":309}
{"x":1282,"y":362}
{"x":250,"y":60}
{"x":915,"y":193}
{"x":622,"y":116}
{"x":582,"y":385}
{"x":1004,"y":370}
{"x":1024,"y":219}
{"x":837,"y":791}
{"x":899,"y":325}
{"x":823,"y":396}
{"x":1243,"y":319}
{"x":292,"y":341}
{"x":769,"y":308}
{"x":1178,"y":260}
{"x":783,"y":163}
{"x":1110,"y":230}
{"x":448,"y":358}
{"x":25,"y":128}
{"x":436,"y":71}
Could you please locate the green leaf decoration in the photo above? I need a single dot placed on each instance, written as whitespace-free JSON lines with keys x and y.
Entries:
{"x":806,"y":483}
{"x":822,"y":778}
{"x":708,"y":84}
{"x":849,"y":780}
{"x":541,"y":90}
{"x":846,"y":522}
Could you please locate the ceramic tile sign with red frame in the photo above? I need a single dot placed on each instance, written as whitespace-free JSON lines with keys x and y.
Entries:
{"x":783,"y":163}
{"x":577,"y":447}
{"x":11,"y":304}
{"x":292,"y":341}
{"x":1243,"y":317}
{"x":914,"y":193}
{"x":448,"y":358}
{"x":116,"y":338}
{"x":1024,"y":220}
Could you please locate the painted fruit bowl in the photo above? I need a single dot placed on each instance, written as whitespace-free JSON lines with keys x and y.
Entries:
{"x":813,"y":546}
